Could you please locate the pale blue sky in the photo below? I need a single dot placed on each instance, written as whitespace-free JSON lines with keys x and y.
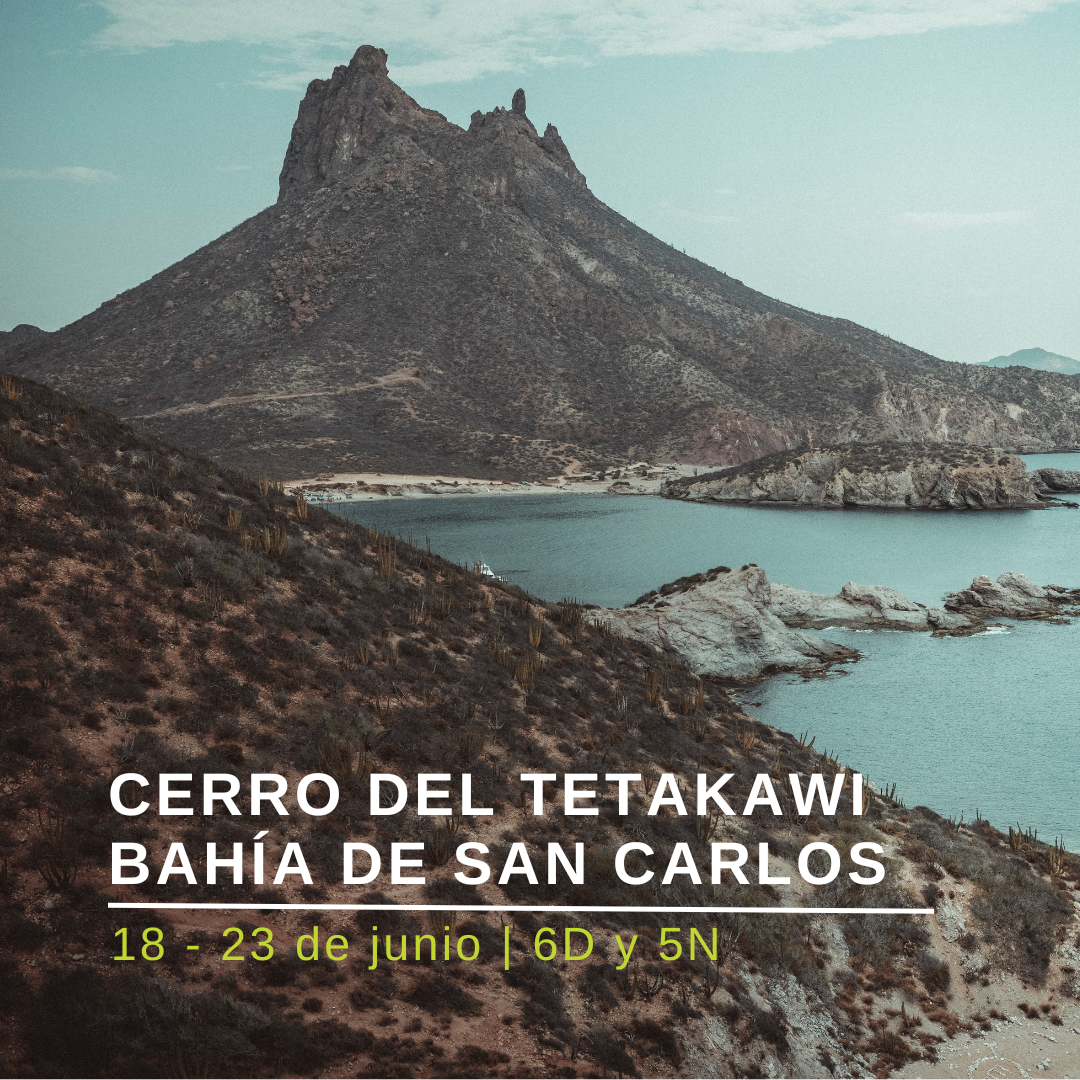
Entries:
{"x":910,"y":165}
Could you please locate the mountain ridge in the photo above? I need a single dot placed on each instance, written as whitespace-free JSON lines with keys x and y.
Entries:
{"x":1038,"y":360}
{"x":428,"y":298}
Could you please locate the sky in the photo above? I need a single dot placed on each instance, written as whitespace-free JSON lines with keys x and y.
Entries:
{"x":911,"y":165}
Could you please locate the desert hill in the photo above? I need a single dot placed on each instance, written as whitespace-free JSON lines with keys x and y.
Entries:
{"x":159,"y":613}
{"x":426,"y":298}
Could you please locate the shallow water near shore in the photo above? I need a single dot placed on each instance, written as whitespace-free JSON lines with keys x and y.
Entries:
{"x":990,"y":722}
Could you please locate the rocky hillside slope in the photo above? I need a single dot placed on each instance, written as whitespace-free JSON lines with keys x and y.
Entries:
{"x":160,"y":614}
{"x":426,"y":299}
{"x":881,"y":475}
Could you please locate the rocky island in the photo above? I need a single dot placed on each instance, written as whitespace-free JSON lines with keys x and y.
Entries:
{"x":737,"y":624}
{"x":895,"y":475}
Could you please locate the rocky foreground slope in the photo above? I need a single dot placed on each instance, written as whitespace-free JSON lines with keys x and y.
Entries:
{"x":424,"y":298}
{"x":890,"y":475}
{"x":160,"y":614}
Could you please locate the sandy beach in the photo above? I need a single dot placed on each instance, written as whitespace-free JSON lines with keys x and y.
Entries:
{"x":640,"y":479}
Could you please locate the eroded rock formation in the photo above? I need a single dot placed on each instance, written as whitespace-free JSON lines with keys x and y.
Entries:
{"x":1055,"y":481}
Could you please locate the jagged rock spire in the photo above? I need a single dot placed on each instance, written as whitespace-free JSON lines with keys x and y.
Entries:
{"x":344,"y":118}
{"x":360,"y":115}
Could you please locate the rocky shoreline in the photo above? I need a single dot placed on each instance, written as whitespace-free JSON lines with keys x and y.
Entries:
{"x":736,"y":624}
{"x":885,"y":475}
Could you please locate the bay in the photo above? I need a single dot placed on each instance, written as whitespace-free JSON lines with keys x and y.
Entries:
{"x":987,"y":724}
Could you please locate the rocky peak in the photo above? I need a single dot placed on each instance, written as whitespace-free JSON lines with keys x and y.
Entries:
{"x":354,"y":117}
{"x":359,"y":119}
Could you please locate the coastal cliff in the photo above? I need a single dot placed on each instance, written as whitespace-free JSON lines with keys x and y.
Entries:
{"x":1057,"y":481}
{"x":882,"y":475}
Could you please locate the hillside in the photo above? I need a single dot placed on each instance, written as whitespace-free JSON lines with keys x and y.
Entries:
{"x":427,"y":299}
{"x":161,"y":614}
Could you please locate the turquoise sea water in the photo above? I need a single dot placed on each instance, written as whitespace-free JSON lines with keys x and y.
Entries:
{"x":990,"y":722}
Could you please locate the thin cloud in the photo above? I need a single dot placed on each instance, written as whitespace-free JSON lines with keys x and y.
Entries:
{"x":939,"y":222}
{"x":74,"y":174}
{"x":457,"y":40}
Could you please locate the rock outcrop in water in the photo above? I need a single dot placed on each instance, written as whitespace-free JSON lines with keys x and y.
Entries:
{"x":860,"y":607}
{"x":1013,"y":596}
{"x":737,"y":624}
{"x":1056,"y":481}
{"x":878,"y":475}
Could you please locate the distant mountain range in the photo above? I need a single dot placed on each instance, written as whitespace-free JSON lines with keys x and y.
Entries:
{"x":428,"y":299}
{"x":1039,"y":359}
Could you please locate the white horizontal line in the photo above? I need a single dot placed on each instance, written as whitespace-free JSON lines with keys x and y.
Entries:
{"x":541,"y":907}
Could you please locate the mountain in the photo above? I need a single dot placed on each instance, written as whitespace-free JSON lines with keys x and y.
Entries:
{"x":1038,"y":360}
{"x":432,"y":299}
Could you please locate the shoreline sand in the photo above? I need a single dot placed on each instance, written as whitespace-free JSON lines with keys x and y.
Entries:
{"x":373,"y":487}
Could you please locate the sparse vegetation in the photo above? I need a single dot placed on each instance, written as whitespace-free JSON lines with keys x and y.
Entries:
{"x":140,"y":632}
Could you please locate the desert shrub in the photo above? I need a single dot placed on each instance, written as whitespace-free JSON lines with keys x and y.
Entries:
{"x":875,"y":937}
{"x":595,"y":983}
{"x":81,"y":1024}
{"x":471,"y":1056}
{"x":933,"y":971}
{"x":140,"y":716}
{"x":545,"y":989}
{"x":441,"y":995}
{"x":662,"y":1038}
{"x":20,"y":932}
{"x":1022,"y":907}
